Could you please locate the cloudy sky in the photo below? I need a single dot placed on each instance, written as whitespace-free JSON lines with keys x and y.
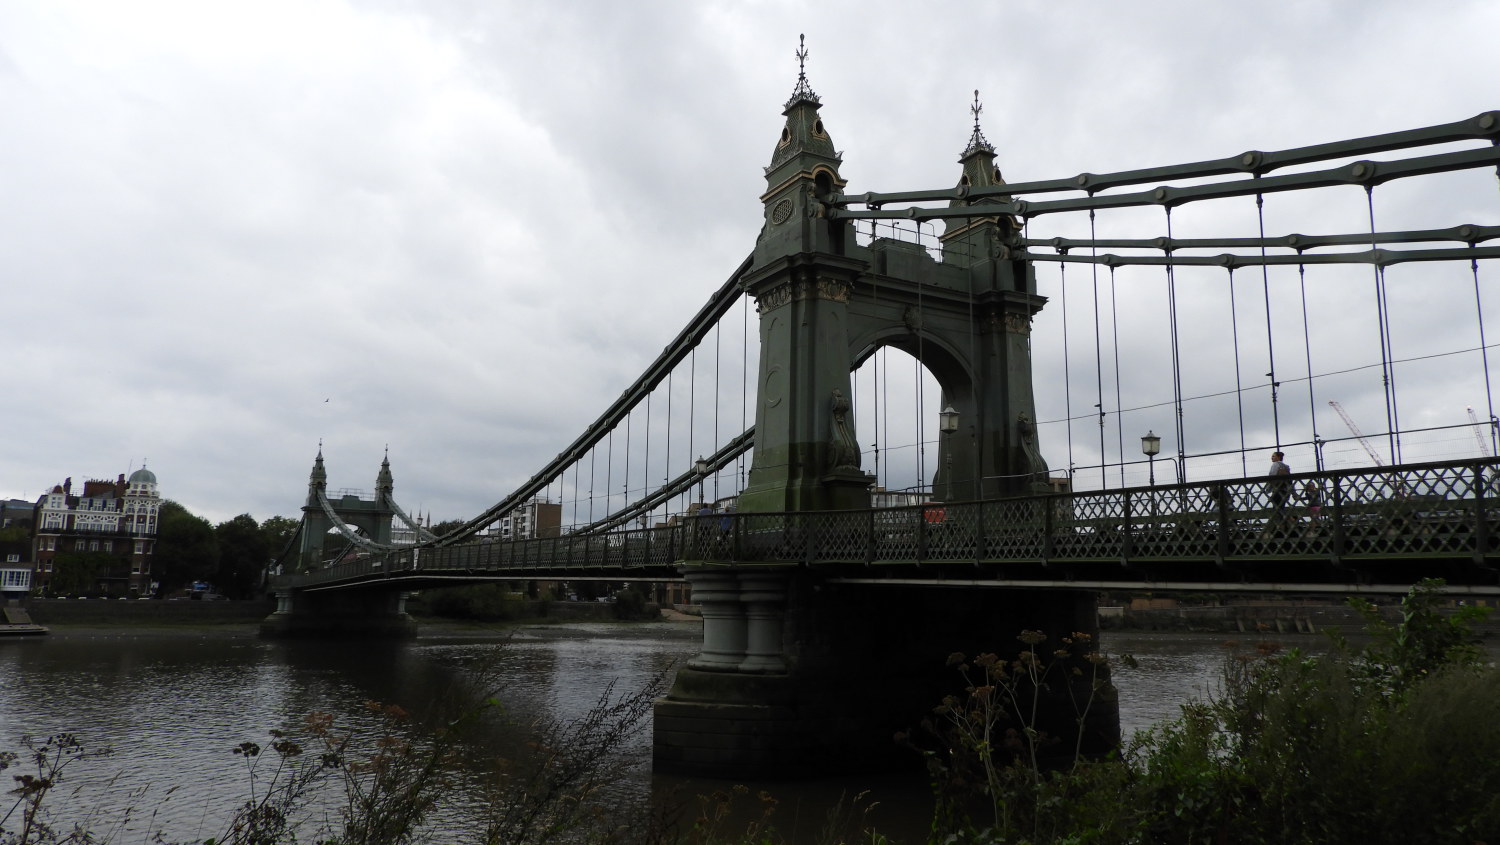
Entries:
{"x":460,"y":227}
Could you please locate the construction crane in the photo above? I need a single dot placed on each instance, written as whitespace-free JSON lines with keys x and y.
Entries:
{"x":1484,"y":446}
{"x":1354,"y":430}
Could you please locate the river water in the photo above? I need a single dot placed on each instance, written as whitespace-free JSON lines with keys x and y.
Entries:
{"x":172,"y":704}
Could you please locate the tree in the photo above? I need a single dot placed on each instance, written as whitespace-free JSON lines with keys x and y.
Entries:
{"x":186,"y":548}
{"x":15,"y":540}
{"x":78,"y":573}
{"x":243,"y":557}
{"x":279,"y":532}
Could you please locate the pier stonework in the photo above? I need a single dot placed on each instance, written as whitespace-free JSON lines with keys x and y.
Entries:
{"x":371,"y":612}
{"x":854,"y":665}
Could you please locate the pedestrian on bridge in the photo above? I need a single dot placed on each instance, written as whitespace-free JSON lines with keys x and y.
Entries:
{"x":1280,"y":489}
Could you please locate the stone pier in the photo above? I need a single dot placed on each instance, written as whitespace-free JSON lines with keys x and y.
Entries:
{"x":340,"y":613}
{"x":801,"y":676}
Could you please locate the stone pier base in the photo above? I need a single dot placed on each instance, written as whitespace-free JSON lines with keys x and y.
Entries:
{"x":340,"y":613}
{"x":801,"y":677}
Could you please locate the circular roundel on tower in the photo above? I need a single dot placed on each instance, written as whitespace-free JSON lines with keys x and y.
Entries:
{"x":143,"y":476}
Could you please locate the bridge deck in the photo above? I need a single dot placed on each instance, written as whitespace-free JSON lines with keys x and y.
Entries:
{"x":1313,"y":531}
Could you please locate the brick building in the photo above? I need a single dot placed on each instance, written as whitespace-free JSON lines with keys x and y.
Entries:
{"x":114,"y":523}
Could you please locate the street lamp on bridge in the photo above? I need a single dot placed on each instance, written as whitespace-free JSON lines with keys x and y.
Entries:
{"x":1151,"y":446}
{"x":701,"y":467}
{"x":947,"y":424}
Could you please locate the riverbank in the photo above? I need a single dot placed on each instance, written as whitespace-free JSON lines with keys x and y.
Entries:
{"x":429,"y":629}
{"x":1266,"y":618}
{"x":150,"y":612}
{"x":170,"y":613}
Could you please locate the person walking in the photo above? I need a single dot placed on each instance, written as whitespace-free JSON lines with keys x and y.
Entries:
{"x":1280,"y":489}
{"x":1278,"y":465}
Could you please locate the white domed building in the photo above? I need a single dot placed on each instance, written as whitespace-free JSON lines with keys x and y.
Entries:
{"x":118,"y":518}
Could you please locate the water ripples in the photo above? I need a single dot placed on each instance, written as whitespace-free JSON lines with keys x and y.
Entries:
{"x":173,"y":706}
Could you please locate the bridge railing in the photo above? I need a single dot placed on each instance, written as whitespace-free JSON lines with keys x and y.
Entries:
{"x":1445,"y":510}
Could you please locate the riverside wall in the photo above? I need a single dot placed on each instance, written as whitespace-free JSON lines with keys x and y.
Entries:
{"x":1267,"y":618}
{"x":146,"y":612}
{"x":165,"y":612}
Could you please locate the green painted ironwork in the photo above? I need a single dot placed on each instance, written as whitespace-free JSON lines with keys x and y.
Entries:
{"x":1485,"y":126}
{"x":1299,"y":530}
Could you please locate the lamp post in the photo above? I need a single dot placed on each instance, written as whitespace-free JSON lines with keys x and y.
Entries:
{"x":1151,"y":446}
{"x":947,"y":424}
{"x":700,"y":466}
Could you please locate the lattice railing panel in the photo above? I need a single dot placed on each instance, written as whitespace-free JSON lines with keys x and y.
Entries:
{"x":897,"y":534}
{"x":1091,"y":526}
{"x":1175,"y":522}
{"x":1012,"y":529}
{"x":1428,"y":511}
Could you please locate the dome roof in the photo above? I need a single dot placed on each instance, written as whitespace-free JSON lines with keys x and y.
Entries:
{"x":143,"y":476}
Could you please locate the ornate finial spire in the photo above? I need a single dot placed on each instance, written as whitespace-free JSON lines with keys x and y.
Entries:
{"x":977,"y":141}
{"x":319,"y":476}
{"x":803,"y":91}
{"x":384,"y":482}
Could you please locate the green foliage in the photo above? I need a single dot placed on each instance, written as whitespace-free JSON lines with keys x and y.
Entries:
{"x":445,"y":526}
{"x":15,"y":540}
{"x":631,"y":603}
{"x":278,"y":532}
{"x":1395,"y":742}
{"x":1013,"y":741}
{"x":79,"y":573}
{"x":243,"y":557}
{"x":480,"y":602}
{"x":186,"y":547}
{"x":1423,"y":640}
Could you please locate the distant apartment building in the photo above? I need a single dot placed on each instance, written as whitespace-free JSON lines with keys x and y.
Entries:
{"x":117,"y":520}
{"x":16,"y":519}
{"x":405,"y":535}
{"x":536,"y":518}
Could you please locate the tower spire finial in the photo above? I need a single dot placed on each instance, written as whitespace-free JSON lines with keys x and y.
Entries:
{"x":803,"y":91}
{"x":977,"y":141}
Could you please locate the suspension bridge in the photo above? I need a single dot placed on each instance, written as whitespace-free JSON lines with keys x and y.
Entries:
{"x":936,"y":393}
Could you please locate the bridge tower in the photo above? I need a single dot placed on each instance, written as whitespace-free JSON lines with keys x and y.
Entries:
{"x":372,"y":516}
{"x":826,"y":304}
{"x":806,"y":453}
{"x":358,"y":612}
{"x":801,"y":672}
